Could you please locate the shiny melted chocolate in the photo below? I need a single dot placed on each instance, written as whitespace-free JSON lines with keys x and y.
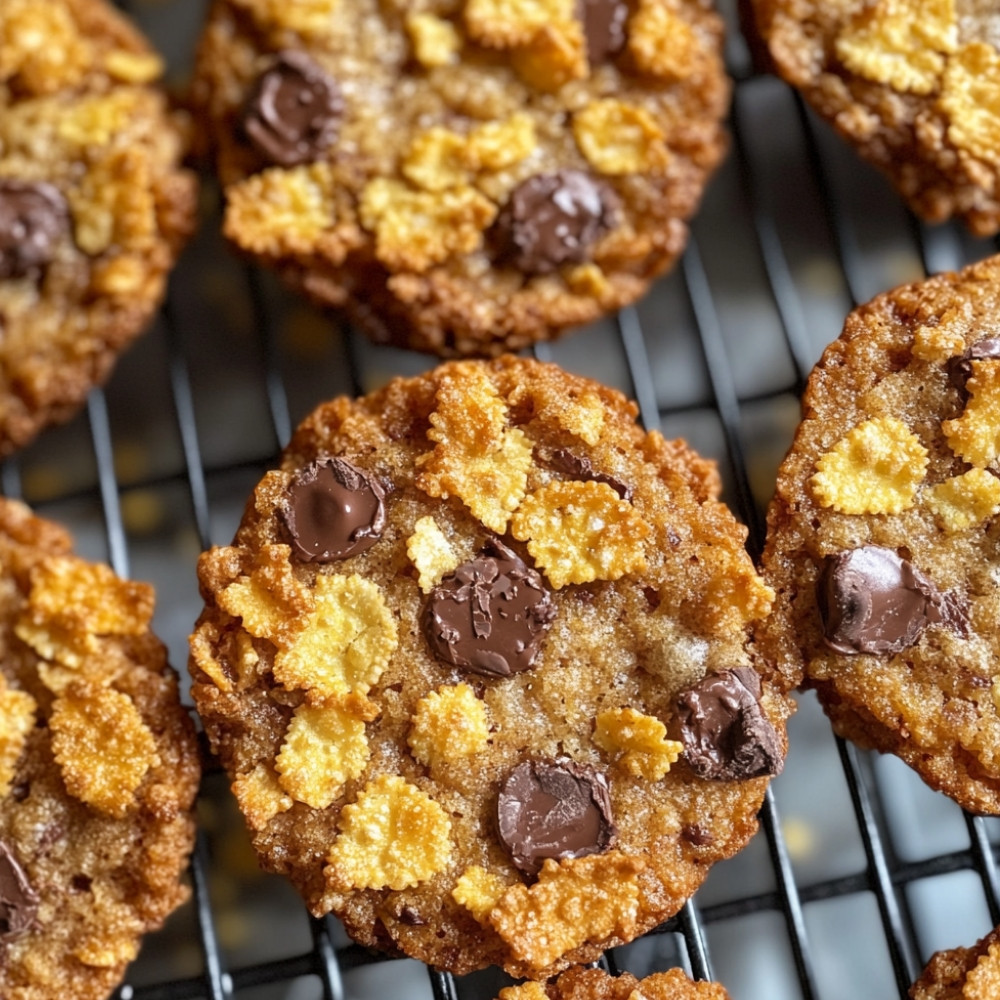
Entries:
{"x":960,"y":368}
{"x":34,"y":217}
{"x":604,"y":28}
{"x":18,"y":901}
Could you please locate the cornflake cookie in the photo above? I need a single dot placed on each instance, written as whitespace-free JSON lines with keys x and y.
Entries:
{"x":962,"y":973}
{"x":913,"y":85}
{"x":882,"y":536}
{"x":98,"y":768}
{"x":464,"y":176}
{"x":477,"y":664}
{"x":595,"y":984}
{"x":93,"y":203}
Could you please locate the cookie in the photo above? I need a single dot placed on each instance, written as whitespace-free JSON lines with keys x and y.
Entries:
{"x":882,"y":535}
{"x":962,"y":973}
{"x":98,"y":768}
{"x":94,"y":204}
{"x":463,"y":177}
{"x":912,"y":86}
{"x":595,"y":984}
{"x":477,"y":663}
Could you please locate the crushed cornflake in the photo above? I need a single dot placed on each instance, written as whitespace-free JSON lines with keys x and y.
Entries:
{"x":970,"y":99}
{"x":346,"y":643}
{"x":435,"y":41}
{"x":975,"y":435}
{"x":555,"y":56}
{"x":982,"y":982}
{"x":392,"y":837}
{"x":133,"y":67}
{"x":108,"y":950}
{"x":945,"y":338}
{"x":529,"y":991}
{"x":414,"y":230}
{"x":573,"y":902}
{"x":242,"y":668}
{"x":17,"y":719}
{"x":581,"y":531}
{"x":97,"y":120}
{"x":270,"y":601}
{"x":303,"y":17}
{"x":325,"y":747}
{"x":507,"y":23}
{"x":102,"y":746}
{"x":477,"y":457}
{"x":42,"y":46}
{"x":620,"y":138}
{"x":965,"y":501}
{"x":448,"y":724}
{"x":588,"y":279}
{"x":901,"y":43}
{"x":662,"y":43}
{"x":478,"y":890}
{"x":259,"y":796}
{"x":875,"y":469}
{"x":430,"y":553}
{"x":637,"y":741}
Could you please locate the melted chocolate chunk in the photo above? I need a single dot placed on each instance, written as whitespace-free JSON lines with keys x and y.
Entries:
{"x":557,"y":810}
{"x":18,"y":901}
{"x":333,"y":510}
{"x":490,"y":615}
{"x":580,"y":467}
{"x":292,"y":113}
{"x":725,"y":733}
{"x":873,"y":601}
{"x":34,"y":216}
{"x":604,"y":28}
{"x":960,"y":368}
{"x":554,"y":219}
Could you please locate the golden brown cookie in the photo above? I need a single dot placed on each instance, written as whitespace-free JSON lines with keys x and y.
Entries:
{"x":93,"y":203}
{"x":882,"y":535}
{"x":962,"y":973}
{"x":594,"y":984}
{"x":464,"y":176}
{"x":913,"y":86}
{"x":98,"y":768}
{"x":477,"y":663}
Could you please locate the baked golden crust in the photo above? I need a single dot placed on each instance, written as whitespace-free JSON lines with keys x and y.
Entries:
{"x":595,"y":984}
{"x":962,"y":973}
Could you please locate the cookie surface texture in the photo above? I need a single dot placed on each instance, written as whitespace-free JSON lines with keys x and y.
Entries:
{"x":913,"y":86}
{"x":882,"y":533}
{"x":98,"y":768}
{"x":468,"y":176}
{"x":962,"y":973}
{"x":94,"y":205}
{"x":470,"y":738}
{"x":595,"y":984}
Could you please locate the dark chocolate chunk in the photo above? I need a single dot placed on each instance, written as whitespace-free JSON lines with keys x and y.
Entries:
{"x":580,"y":467}
{"x":292,"y":114}
{"x":34,"y":216}
{"x":333,"y":510}
{"x":725,"y":733}
{"x":960,"y":368}
{"x":554,"y":810}
{"x":18,"y":901}
{"x":490,"y":615}
{"x":554,"y":219}
{"x":604,"y":28}
{"x":873,"y":601}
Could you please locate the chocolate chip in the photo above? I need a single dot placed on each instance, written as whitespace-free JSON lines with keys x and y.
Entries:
{"x":725,"y":733}
{"x":580,"y":467}
{"x":18,"y":901}
{"x":333,"y":510}
{"x":873,"y":601}
{"x":554,"y":810}
{"x":490,"y":615}
{"x":293,"y":111}
{"x":698,"y":835}
{"x":960,"y":368}
{"x":34,"y":217}
{"x":604,"y":28}
{"x":554,"y":219}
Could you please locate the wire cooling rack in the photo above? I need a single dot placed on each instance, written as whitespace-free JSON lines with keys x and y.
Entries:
{"x":859,"y":872}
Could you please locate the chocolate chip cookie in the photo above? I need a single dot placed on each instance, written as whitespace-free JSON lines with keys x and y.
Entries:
{"x":93,"y":203}
{"x":594,"y":984}
{"x":478,"y":665}
{"x":882,"y":535}
{"x":913,"y":86}
{"x":962,"y":973}
{"x":464,"y":176}
{"x":98,"y":768}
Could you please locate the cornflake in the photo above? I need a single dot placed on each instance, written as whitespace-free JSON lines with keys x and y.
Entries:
{"x":102,"y":746}
{"x":901,"y":43}
{"x":983,"y":980}
{"x":507,"y":23}
{"x":526,"y":991}
{"x":975,"y":435}
{"x":259,"y":796}
{"x":325,"y":746}
{"x":638,"y":740}
{"x":573,"y":902}
{"x":620,"y":138}
{"x":430,"y":553}
{"x":435,"y":41}
{"x":478,"y":457}
{"x":41,"y":45}
{"x":944,"y":339}
{"x":970,"y":98}
{"x":17,"y":719}
{"x":448,"y":724}
{"x":393,"y":837}
{"x":346,"y":643}
{"x":203,"y":643}
{"x":578,"y":531}
{"x":133,"y":67}
{"x":478,"y":890}
{"x":965,"y":501}
{"x":661,"y":41}
{"x":556,"y":55}
{"x":304,"y":17}
{"x":875,"y":469}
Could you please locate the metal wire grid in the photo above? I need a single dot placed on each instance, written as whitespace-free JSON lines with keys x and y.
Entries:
{"x":884,"y":874}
